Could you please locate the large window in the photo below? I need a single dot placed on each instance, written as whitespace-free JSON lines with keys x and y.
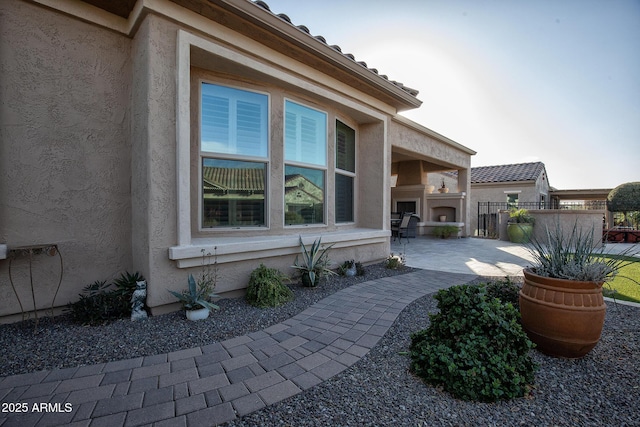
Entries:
{"x":305,"y":144}
{"x":345,"y":171}
{"x":234,"y":151}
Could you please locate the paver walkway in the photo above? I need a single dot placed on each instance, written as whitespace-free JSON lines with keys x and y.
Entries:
{"x":221,"y":381}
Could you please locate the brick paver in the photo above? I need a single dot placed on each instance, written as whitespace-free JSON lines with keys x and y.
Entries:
{"x":221,"y":381}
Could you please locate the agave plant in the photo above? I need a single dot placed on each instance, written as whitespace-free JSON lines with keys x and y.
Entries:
{"x":196,"y":296}
{"x":573,"y":256}
{"x":314,"y":264}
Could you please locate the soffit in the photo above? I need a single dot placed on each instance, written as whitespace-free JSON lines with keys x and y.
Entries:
{"x":121,"y":8}
{"x":255,"y":20}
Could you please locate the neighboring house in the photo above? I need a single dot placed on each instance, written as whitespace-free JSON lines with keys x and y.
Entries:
{"x":513,"y":184}
{"x":502,"y":186}
{"x":506,"y":186}
{"x":137,"y":135}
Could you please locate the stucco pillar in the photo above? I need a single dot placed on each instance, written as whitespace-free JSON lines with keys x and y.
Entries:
{"x":464,"y":186}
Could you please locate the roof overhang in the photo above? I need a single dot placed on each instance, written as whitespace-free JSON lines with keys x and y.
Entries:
{"x":274,"y":31}
{"x":586,"y":194}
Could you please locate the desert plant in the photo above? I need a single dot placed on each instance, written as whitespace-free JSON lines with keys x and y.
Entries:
{"x":196,"y":296}
{"x":445,"y":231}
{"x":573,"y":256}
{"x":125,"y":285}
{"x":521,"y":216}
{"x":101,"y":302}
{"x":474,"y":347}
{"x":315,"y":263}
{"x":266,"y":288}
{"x":200,"y":290}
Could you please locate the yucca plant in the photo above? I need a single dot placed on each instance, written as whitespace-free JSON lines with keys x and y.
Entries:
{"x":314,"y":264}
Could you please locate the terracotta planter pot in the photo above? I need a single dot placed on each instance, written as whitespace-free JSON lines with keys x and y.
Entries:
{"x":563,"y":317}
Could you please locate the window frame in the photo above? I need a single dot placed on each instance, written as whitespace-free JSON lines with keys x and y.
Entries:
{"x":296,"y":163}
{"x":339,"y":171}
{"x":203,"y":155}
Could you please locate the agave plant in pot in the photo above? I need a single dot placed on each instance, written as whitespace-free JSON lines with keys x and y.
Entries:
{"x":196,"y":298}
{"x":561,"y":304}
{"x":314,"y":264}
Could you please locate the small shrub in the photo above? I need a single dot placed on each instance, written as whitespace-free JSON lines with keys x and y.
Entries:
{"x":506,"y":291}
{"x":266,"y":288}
{"x":101,"y":303}
{"x":359,"y":268}
{"x":125,"y":285}
{"x":521,"y":216}
{"x":394,"y":262}
{"x":474,"y":348}
{"x":445,"y":231}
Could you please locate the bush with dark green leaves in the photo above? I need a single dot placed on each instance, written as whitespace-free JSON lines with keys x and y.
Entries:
{"x":266,"y":288}
{"x":102,"y":302}
{"x":506,"y":291}
{"x":474,"y":348}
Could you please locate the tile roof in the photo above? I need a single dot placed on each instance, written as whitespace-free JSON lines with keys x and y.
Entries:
{"x":305,"y":29}
{"x":507,"y":173}
{"x":233,"y":179}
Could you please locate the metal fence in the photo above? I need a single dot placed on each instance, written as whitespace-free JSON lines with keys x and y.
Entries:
{"x":488,"y":212}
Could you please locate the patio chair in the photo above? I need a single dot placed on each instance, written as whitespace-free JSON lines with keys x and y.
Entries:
{"x":408,"y":227}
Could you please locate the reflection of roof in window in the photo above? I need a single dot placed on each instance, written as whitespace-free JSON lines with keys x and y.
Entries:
{"x":233,"y":178}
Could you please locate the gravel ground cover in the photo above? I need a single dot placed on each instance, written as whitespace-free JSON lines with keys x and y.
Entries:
{"x":60,"y":343}
{"x":602,"y":389}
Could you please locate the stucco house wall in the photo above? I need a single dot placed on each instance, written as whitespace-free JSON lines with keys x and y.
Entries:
{"x":109,"y":110}
{"x":65,"y":152}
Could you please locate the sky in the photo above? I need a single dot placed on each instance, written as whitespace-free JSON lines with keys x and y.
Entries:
{"x":555,"y":81}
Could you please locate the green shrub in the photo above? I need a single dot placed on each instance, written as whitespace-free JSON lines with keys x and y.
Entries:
{"x":445,"y":231}
{"x":506,"y":291}
{"x":266,"y":288}
{"x":394,"y":262}
{"x":101,"y":302}
{"x":125,"y":285}
{"x":474,"y":348}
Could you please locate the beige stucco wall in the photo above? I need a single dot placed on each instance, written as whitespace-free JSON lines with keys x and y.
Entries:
{"x":548,"y":219}
{"x":64,"y":151}
{"x":92,"y":155}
